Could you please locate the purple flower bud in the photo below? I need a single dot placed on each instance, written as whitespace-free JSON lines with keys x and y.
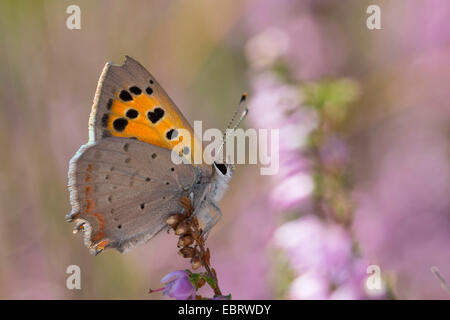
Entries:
{"x":178,"y":285}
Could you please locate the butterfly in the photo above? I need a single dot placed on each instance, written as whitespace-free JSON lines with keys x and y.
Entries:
{"x":123,"y":184}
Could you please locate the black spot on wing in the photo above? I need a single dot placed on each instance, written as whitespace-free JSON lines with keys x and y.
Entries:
{"x":149,"y":90}
{"x":120,"y":124}
{"x":125,"y":96}
{"x":155,"y":115}
{"x":171,"y":134}
{"x":135,"y":90}
{"x":132,"y":113}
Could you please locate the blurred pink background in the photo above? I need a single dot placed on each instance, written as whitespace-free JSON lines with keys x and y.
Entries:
{"x":272,"y":243}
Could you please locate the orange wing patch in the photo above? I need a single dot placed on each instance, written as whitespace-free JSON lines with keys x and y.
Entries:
{"x":138,"y":113}
{"x":97,"y":242}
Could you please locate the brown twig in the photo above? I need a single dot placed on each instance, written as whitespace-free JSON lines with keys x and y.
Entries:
{"x":192,"y":242}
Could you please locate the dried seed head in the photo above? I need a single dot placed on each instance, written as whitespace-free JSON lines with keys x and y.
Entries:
{"x":187,"y":252}
{"x":173,"y":220}
{"x":182,"y":228}
{"x":196,"y":263}
{"x":187,"y":205}
{"x":185,"y":241}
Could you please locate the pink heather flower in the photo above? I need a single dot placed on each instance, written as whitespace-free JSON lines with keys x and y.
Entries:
{"x":314,"y":285}
{"x":311,"y":244}
{"x":309,"y":286}
{"x":278,"y":106}
{"x":178,"y":285}
{"x":273,"y":100}
{"x":322,"y":255}
{"x":291,"y":191}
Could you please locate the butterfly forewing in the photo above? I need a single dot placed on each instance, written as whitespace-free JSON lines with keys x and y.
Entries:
{"x":130,"y":103}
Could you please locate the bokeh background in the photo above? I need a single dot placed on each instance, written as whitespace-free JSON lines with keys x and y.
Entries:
{"x":364,"y":142}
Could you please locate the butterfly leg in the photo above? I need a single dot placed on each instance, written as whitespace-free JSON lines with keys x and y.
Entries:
{"x":214,"y":220}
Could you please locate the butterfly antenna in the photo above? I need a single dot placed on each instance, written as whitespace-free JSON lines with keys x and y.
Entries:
{"x":241,"y":103}
{"x":243,"y":115}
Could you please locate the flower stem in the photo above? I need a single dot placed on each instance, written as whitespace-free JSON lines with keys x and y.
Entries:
{"x":156,"y":290}
{"x":187,"y":225}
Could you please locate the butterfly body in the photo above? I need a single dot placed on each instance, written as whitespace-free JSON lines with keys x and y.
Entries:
{"x":123,"y":183}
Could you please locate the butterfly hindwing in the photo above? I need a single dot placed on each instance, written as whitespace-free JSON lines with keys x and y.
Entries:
{"x":123,"y":190}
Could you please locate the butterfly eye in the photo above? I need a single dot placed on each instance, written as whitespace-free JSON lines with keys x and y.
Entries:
{"x":221,"y":167}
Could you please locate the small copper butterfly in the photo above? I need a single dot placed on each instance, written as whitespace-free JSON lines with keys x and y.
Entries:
{"x":123,"y":184}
